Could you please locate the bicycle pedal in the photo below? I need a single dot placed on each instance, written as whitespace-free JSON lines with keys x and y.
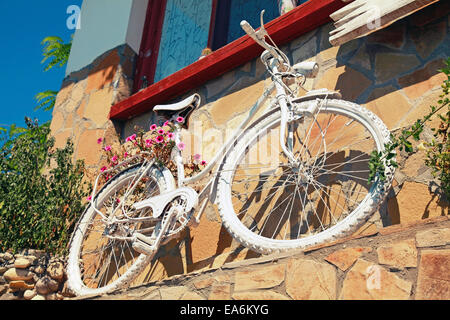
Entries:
{"x":143,"y":244}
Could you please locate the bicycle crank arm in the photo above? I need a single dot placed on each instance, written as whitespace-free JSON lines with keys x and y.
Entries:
{"x":149,"y":245}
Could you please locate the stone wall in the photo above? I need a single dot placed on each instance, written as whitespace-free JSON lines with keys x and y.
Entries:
{"x":83,"y":103}
{"x":393,"y":72}
{"x":402,"y":262}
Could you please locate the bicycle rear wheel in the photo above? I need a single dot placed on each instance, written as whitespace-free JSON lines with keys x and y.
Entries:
{"x":269,"y":204}
{"x":98,"y":261}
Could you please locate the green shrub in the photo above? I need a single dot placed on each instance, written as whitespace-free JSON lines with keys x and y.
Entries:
{"x":41,"y":191}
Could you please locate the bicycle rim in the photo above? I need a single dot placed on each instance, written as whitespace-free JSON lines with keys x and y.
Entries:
{"x":270,"y":205}
{"x":99,"y":263}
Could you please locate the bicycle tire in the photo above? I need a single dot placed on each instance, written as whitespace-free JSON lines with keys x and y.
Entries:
{"x":77,"y":282}
{"x":240,"y":229}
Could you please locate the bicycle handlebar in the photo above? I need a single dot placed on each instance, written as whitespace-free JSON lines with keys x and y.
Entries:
{"x":259,"y":37}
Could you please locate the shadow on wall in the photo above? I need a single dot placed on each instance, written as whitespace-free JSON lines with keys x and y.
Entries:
{"x":405,"y":56}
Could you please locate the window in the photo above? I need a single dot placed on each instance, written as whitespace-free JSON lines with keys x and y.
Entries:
{"x":184,"y":35}
{"x":176,"y":32}
{"x":229,"y":15}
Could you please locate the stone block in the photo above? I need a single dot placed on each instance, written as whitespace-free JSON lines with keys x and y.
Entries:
{"x":220,"y":292}
{"x":259,"y":278}
{"x":172,"y":293}
{"x":14,"y":274}
{"x":429,"y":37}
{"x":389,"y":104}
{"x":99,"y":106}
{"x":433,"y":279}
{"x":88,"y":148}
{"x":224,"y":109}
{"x":369,"y":281}
{"x":344,"y":258}
{"x":392,"y":36}
{"x":104,"y":73}
{"x":433,"y":238}
{"x":348,"y":81}
{"x":419,"y":82}
{"x":192,"y":296}
{"x":310,"y":280}
{"x":259,"y":295}
{"x":57,"y":121}
{"x":392,"y":65}
{"x":400,"y":254}
{"x":405,"y":208}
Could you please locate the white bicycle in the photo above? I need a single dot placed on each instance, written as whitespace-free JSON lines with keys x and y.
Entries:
{"x":314,"y":191}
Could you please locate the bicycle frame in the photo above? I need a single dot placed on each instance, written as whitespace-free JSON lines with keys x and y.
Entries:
{"x":273,"y":59}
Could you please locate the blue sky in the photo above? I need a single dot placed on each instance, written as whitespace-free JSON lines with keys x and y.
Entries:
{"x":23,"y":26}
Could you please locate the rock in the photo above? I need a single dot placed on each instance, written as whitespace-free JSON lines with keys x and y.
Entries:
{"x":405,"y":209}
{"x":29,"y":294}
{"x":388,"y":65}
{"x":259,"y":278}
{"x":369,"y":281}
{"x":433,"y":238}
{"x":401,"y":254}
{"x":344,"y":258}
{"x":3,"y":289}
{"x":8,"y":256}
{"x":14,"y":274}
{"x":173,"y":293}
{"x":204,"y":283}
{"x":38,"y":297}
{"x":433,"y":279}
{"x":46,"y":285}
{"x":259,"y":295}
{"x":56,"y":271}
{"x":20,"y":285}
{"x":310,"y":280}
{"x":2,"y":270}
{"x":192,"y":296}
{"x":22,"y":263}
{"x":39,"y":269}
{"x":220,"y":292}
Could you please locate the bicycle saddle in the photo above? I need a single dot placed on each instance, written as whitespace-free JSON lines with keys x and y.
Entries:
{"x":180,"y":109}
{"x":192,"y":101}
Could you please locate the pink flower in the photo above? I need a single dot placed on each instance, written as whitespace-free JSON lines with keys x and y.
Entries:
{"x":180,"y":119}
{"x":166,"y":124}
{"x":99,"y":140}
{"x":108,"y":148}
{"x":159,"y":139}
{"x":149,"y":142}
{"x":89,"y":198}
{"x":125,"y":155}
{"x":171,"y":136}
{"x":197,"y":157}
{"x":114,"y":159}
{"x":161,"y":131}
{"x":103,"y":169}
{"x":131,"y":138}
{"x":181,"y":146}
{"x":203,"y":163}
{"x":118,"y":200}
{"x":153,"y":127}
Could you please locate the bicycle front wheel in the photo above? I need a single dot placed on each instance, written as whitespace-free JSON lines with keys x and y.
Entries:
{"x":269,"y":204}
{"x":100,"y":260}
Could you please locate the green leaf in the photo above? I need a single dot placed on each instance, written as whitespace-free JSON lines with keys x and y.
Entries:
{"x":46,"y":100}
